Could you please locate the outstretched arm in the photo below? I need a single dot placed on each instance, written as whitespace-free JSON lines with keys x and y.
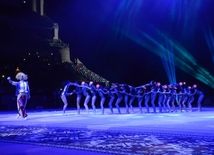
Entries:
{"x":77,"y":85}
{"x":12,"y":82}
{"x":69,"y":94}
{"x":104,"y":92}
{"x":147,"y":93}
{"x":191,"y":94}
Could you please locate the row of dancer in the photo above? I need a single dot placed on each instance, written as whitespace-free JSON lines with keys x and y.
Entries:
{"x":166,"y":96}
{"x":89,"y":91}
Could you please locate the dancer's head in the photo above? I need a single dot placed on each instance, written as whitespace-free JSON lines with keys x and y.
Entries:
{"x":98,"y":85}
{"x":91,"y":83}
{"x":83,"y":82}
{"x":21,"y":76}
{"x":116,"y":85}
{"x":158,"y":83}
{"x":153,"y":82}
{"x":195,"y":86}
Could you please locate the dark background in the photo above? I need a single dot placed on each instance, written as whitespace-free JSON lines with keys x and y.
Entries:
{"x":106,"y":35}
{"x":98,"y":33}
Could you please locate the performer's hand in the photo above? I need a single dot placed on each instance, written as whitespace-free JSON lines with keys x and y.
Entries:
{"x":8,"y":78}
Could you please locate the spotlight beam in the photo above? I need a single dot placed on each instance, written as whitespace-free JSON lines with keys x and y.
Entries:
{"x":189,"y":65}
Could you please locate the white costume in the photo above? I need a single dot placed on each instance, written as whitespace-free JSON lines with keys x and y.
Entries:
{"x":22,"y":93}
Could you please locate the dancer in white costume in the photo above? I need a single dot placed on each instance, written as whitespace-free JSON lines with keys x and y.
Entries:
{"x":22,"y":93}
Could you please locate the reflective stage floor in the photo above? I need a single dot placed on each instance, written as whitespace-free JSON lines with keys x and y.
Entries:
{"x":167,"y":124}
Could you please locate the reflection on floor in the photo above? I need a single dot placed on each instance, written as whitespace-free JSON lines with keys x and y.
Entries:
{"x":154,"y":133}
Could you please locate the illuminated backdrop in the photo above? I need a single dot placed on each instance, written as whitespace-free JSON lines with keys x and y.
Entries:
{"x":140,"y":40}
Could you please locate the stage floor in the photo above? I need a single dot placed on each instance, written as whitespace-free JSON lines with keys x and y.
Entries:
{"x":193,"y":123}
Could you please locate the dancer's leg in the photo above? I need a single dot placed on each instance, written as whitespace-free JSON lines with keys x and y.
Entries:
{"x":86,"y":103}
{"x":102,"y":104}
{"x":119,"y":99}
{"x":110,"y":104}
{"x":64,"y":100}
{"x":93,"y":100}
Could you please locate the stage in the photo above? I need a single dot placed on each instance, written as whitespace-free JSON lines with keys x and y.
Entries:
{"x":52,"y":132}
